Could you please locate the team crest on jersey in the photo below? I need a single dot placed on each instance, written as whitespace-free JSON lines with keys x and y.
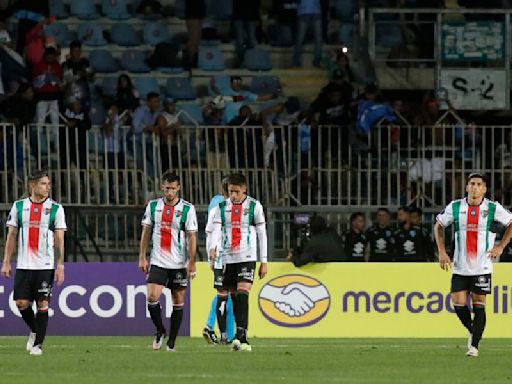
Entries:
{"x":168,"y":212}
{"x":484,"y":214}
{"x":237,"y":211}
{"x":36,"y":210}
{"x":178,"y":213}
{"x":412,"y":233}
{"x":473,"y":213}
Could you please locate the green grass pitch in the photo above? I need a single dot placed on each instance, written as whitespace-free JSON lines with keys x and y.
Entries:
{"x":131,"y":360}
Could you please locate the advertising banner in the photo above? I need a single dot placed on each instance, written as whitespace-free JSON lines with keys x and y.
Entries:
{"x":102,"y":299}
{"x":357,"y":300}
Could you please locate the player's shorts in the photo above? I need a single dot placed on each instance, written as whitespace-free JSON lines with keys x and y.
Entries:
{"x":218,"y":277}
{"x":33,"y":284}
{"x":481,"y":284}
{"x":170,"y":278}
{"x":238,"y":272}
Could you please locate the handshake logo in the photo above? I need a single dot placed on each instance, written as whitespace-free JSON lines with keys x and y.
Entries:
{"x":294,"y":300}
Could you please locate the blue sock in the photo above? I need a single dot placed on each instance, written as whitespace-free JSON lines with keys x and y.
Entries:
{"x":230,"y":320}
{"x":212,"y":316}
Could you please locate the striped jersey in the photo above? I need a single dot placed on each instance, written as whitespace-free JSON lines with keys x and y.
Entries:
{"x":36,"y":223}
{"x":473,"y":237}
{"x":209,"y":228}
{"x":170,"y":224}
{"x":239,"y":222}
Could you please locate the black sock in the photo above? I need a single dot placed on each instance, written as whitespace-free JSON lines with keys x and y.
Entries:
{"x":242,"y":315}
{"x":155,"y":313}
{"x":464,"y":315}
{"x":478,"y":324}
{"x":28,"y":316}
{"x":222,"y":303}
{"x":176,"y":317}
{"x":41,"y":322}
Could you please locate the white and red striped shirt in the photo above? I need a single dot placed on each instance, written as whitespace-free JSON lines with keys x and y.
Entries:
{"x":473,"y":236}
{"x":169,"y":223}
{"x":36,"y":223}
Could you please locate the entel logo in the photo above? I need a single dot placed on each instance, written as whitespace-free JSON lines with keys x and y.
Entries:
{"x":294,"y":301}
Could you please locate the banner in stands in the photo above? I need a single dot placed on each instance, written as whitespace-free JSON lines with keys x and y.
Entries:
{"x":356,"y":300}
{"x":480,"y":89}
{"x":96,"y":299}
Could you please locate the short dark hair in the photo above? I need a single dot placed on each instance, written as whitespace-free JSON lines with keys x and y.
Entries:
{"x":75,"y":44}
{"x":476,"y":175}
{"x":404,"y":208}
{"x":170,"y":177}
{"x":152,"y":95}
{"x":38,"y":174}
{"x":50,"y":51}
{"x":417,"y":210}
{"x":235,"y":78}
{"x":355,"y":215}
{"x":237,"y":179}
{"x":383,"y":210}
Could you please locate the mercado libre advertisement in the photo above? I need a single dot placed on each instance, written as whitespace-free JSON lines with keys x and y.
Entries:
{"x":356,"y":300}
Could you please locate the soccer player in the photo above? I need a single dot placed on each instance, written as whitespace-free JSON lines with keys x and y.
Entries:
{"x":354,"y":239}
{"x":171,"y":223}
{"x":380,"y":239}
{"x":41,"y":224}
{"x":239,"y":225}
{"x":411,"y":243}
{"x":473,"y":254}
{"x":222,"y":305}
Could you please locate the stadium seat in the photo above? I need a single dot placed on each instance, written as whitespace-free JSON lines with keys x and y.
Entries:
{"x":180,"y":88}
{"x":211,"y":59}
{"x":133,"y":60}
{"x":144,"y":85}
{"x":124,"y":34}
{"x":91,"y":34}
{"x":264,"y":84}
{"x":97,"y":113}
{"x":60,"y":31}
{"x":257,"y":59}
{"x":155,"y":32}
{"x":115,"y":9}
{"x":101,"y":60}
{"x":83,"y":9}
{"x":280,"y":35}
{"x":109,"y":86}
{"x":223,"y":84}
{"x":192,"y":114}
{"x":58,"y":9}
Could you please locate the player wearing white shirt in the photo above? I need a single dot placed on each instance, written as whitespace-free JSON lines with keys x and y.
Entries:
{"x":38,"y":224}
{"x":473,"y":254}
{"x":239,"y":231}
{"x":171,"y":223}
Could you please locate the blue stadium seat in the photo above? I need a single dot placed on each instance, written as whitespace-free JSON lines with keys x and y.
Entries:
{"x":280,"y":35}
{"x":101,"y":60}
{"x":109,"y":86}
{"x":211,"y":59}
{"x":83,"y":9}
{"x":60,"y":31}
{"x":155,"y":32}
{"x":264,"y":84}
{"x":133,"y":60}
{"x":192,"y":114}
{"x":144,"y":85}
{"x":58,"y":9}
{"x":97,"y":113}
{"x":115,"y":9}
{"x":257,"y":59}
{"x":223,"y":84}
{"x":124,"y":34}
{"x":180,"y":88}
{"x":91,"y":34}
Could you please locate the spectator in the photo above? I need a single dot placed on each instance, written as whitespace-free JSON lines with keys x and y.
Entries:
{"x":380,"y":239}
{"x":247,"y":142}
{"x":77,"y":72}
{"x":114,"y":156}
{"x":246,"y":14}
{"x":20,"y":108}
{"x":28,"y":13}
{"x":309,"y":15}
{"x":213,"y":116}
{"x":324,"y":245}
{"x":354,"y":239}
{"x":73,"y":133}
{"x":411,"y":244}
{"x":37,"y":41}
{"x":5,"y":37}
{"x":416,"y":220}
{"x":285,"y":12}
{"x":195,"y":11}
{"x":127,"y":97}
{"x":168,"y":127}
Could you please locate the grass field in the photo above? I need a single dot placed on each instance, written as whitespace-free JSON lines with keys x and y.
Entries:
{"x":131,"y":360}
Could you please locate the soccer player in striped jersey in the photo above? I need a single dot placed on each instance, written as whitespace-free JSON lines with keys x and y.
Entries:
{"x":474,"y":252}
{"x":171,"y":223}
{"x":38,"y":224}
{"x":239,"y":231}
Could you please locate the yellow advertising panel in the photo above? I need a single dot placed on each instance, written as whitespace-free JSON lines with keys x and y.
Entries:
{"x":356,"y":300}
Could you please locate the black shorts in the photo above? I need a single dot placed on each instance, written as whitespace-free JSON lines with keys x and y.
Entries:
{"x":481,"y":284}
{"x":218,"y":277}
{"x":238,"y":272}
{"x":170,"y":278}
{"x":33,"y":284}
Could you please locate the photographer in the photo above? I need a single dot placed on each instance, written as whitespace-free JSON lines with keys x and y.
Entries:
{"x":322,"y":245}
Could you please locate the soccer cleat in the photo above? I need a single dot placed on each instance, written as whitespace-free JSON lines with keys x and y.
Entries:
{"x":157,"y":343}
{"x":169,"y":349}
{"x":245,"y":347}
{"x":36,"y":350}
{"x":472,"y":351}
{"x":30,"y":341}
{"x":236,"y":345}
{"x":210,"y":336}
{"x":470,"y":340}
